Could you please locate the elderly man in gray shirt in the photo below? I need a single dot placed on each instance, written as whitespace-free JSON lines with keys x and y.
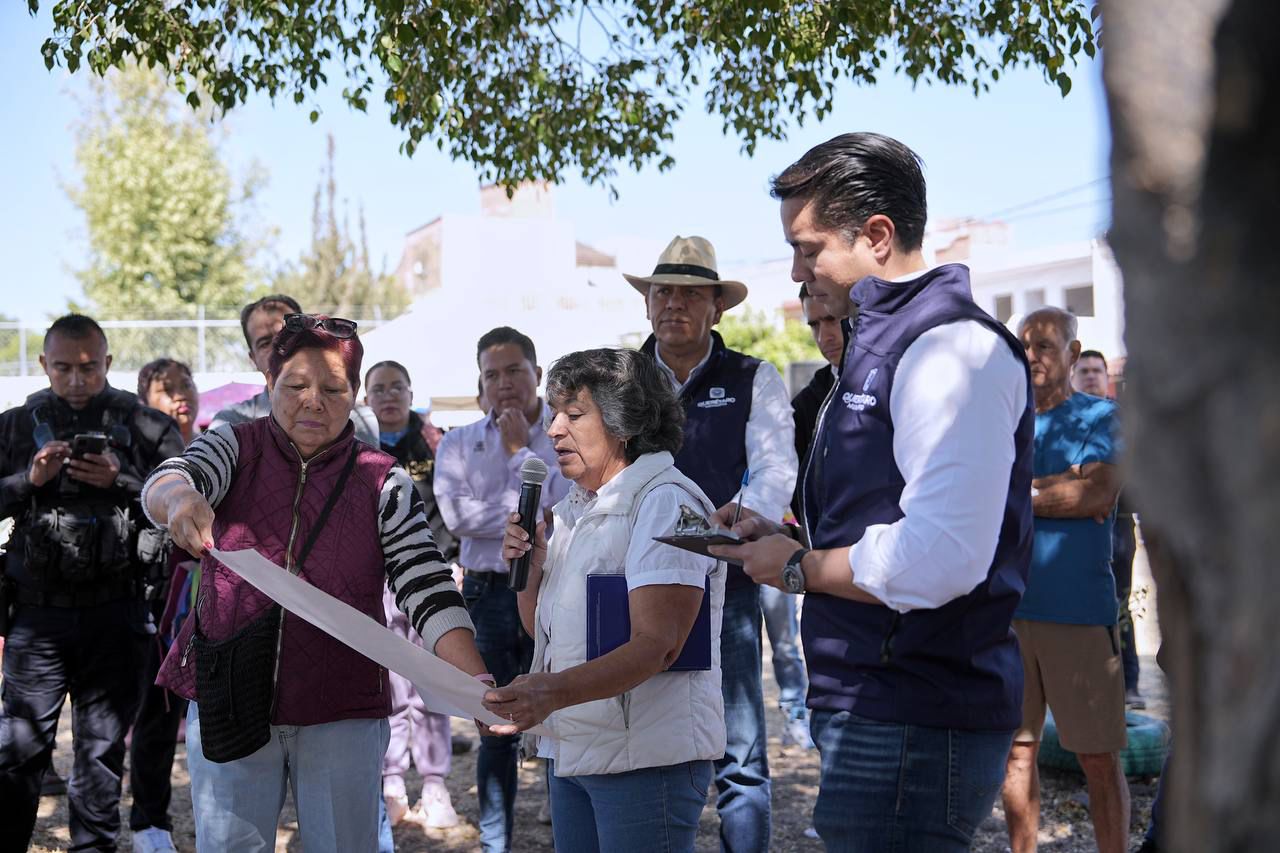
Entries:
{"x":477,"y":483}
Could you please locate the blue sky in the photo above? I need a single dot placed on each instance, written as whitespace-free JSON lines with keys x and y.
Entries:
{"x":1020,"y":142}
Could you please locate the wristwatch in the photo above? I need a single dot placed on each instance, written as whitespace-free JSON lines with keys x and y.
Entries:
{"x":793,"y":574}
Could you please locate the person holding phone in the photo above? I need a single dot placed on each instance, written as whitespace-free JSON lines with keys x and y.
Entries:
{"x":73,"y":459}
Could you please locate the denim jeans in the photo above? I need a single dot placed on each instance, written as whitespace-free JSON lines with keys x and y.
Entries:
{"x":97,"y":655}
{"x":653,"y":810}
{"x":1124,"y":544}
{"x":507,"y":651}
{"x":742,"y":776}
{"x":334,"y":769}
{"x":1155,"y":829}
{"x":783,"y":627}
{"x":890,"y":787}
{"x":386,"y":842}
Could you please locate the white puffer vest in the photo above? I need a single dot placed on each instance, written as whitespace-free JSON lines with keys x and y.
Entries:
{"x":674,"y":716}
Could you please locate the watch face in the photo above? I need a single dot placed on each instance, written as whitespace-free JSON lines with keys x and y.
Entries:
{"x":793,"y":579}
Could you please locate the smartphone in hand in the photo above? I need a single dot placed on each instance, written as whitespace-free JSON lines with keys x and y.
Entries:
{"x":88,"y":442}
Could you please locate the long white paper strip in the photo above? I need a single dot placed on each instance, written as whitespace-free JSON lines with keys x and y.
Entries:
{"x":444,"y":688}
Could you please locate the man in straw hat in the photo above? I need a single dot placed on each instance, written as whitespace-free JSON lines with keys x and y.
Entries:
{"x":737,"y":419}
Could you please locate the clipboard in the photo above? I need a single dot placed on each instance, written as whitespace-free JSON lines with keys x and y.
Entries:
{"x":698,"y":543}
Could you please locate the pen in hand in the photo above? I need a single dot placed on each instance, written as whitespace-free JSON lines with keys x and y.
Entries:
{"x":737,"y":510}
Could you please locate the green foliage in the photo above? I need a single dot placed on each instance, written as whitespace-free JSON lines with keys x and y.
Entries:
{"x":159,"y":205}
{"x":755,"y":334}
{"x":333,"y":274}
{"x":531,"y":90}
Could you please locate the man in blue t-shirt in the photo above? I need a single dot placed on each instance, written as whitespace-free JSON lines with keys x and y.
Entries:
{"x":1066,"y":622}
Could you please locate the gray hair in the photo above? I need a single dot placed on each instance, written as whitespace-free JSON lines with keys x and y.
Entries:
{"x":1064,"y":320}
{"x":635,"y":400}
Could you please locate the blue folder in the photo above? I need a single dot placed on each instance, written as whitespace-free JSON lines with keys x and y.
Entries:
{"x":609,"y":623}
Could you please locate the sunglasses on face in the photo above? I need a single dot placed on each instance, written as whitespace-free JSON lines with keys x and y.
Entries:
{"x":336,"y":326}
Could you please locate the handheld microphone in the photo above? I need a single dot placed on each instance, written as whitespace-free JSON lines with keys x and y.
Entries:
{"x":532,"y":473}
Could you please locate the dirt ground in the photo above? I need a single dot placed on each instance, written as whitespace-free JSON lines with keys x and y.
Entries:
{"x":1064,"y":822}
{"x":1064,"y":825}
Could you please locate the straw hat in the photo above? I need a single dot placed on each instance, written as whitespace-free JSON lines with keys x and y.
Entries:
{"x":690,"y":261}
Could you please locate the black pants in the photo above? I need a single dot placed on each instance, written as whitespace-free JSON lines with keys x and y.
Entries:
{"x":95,"y":654}
{"x":155,"y":737}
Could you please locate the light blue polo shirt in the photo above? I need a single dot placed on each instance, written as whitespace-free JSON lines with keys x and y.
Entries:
{"x":1070,"y":579}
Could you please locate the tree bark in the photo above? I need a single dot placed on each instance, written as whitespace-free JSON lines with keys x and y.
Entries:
{"x":1193,"y":87}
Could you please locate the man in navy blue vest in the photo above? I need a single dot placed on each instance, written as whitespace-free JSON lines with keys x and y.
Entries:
{"x":917,"y":502}
{"x":737,"y":419}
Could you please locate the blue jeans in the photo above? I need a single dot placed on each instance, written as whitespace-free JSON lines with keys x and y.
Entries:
{"x":779,"y":610}
{"x":888,"y":787}
{"x":742,"y":776}
{"x":386,"y":842}
{"x":507,"y":651}
{"x":654,"y":810}
{"x":334,"y":769}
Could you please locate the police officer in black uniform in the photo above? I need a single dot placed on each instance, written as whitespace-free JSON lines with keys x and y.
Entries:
{"x":73,"y":459}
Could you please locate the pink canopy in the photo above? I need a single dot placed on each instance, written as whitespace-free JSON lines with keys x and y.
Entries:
{"x":216,"y":399}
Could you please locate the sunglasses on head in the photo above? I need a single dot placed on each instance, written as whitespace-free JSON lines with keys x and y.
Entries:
{"x":336,"y":326}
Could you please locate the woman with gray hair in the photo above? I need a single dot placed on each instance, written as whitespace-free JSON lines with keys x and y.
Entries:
{"x":631,"y":760}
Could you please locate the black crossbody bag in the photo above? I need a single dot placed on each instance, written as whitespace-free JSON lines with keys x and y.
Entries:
{"x":235,"y":688}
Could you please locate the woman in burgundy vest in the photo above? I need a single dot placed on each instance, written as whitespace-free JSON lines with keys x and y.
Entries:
{"x":298,"y":480}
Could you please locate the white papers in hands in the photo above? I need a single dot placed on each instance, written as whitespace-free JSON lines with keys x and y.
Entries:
{"x":444,"y":688}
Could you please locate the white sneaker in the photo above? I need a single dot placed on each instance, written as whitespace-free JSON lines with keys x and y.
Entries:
{"x":796,"y":733}
{"x":153,"y":839}
{"x":397,"y":808}
{"x":436,"y":806}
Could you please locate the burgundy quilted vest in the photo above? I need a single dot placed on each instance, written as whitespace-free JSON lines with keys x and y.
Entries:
{"x":320,"y":679}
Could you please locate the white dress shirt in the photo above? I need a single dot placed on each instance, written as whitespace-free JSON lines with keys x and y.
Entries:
{"x":956,"y":400}
{"x":770,"y":438}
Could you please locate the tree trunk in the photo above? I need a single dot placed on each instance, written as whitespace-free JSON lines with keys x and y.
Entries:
{"x":1193,"y":88}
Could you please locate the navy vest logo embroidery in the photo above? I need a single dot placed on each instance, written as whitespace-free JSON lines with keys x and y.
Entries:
{"x":861,"y":402}
{"x":716,"y":399}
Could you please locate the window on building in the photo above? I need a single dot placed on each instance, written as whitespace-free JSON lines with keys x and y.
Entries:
{"x":1034,"y":299}
{"x":1004,"y":307}
{"x":1079,"y":300}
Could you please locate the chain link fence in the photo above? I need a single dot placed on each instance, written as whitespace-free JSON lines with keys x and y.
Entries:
{"x":210,"y":341}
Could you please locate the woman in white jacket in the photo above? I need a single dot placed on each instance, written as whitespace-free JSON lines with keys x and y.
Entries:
{"x":633,"y":746}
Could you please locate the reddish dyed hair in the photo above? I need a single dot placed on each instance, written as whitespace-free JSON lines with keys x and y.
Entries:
{"x":287,"y":344}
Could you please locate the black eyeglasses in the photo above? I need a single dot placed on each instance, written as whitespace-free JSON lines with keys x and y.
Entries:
{"x":336,"y":326}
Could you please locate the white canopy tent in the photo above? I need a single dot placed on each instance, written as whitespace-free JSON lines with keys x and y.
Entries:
{"x":436,"y":339}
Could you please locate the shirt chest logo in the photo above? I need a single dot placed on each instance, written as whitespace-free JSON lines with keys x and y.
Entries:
{"x":716,"y":399}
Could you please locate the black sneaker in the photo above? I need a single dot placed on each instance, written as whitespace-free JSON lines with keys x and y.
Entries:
{"x":52,"y":785}
{"x":1148,"y":845}
{"x":1133,"y":699}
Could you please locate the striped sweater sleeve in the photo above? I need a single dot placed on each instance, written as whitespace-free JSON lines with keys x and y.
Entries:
{"x":420,"y":580}
{"x":207,"y":465}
